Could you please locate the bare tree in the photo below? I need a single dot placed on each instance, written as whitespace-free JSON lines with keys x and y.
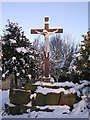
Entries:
{"x":61,"y":53}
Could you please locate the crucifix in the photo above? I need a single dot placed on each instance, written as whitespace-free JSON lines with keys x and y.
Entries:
{"x":46,"y":32}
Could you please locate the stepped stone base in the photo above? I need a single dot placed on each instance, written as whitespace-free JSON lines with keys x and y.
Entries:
{"x":20,"y":98}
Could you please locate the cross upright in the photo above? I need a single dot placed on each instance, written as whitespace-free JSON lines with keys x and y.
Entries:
{"x":46,"y":32}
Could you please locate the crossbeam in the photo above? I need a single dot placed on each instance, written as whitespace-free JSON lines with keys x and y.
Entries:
{"x":46,"y":27}
{"x":33,"y":31}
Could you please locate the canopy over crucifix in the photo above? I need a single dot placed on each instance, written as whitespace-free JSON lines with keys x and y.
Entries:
{"x":46,"y":32}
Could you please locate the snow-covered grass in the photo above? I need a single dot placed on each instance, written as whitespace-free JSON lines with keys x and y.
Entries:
{"x":4,"y":98}
{"x":79,"y":110}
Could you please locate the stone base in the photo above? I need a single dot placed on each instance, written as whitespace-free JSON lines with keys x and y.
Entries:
{"x":19,"y":96}
{"x":54,"y":99}
{"x":15,"y":109}
{"x":45,"y":79}
{"x":21,"y":109}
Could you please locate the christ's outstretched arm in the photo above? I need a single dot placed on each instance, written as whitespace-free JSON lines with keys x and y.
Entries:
{"x":41,"y":33}
{"x":50,"y":33}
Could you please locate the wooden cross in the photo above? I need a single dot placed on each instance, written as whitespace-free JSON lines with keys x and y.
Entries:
{"x":46,"y":32}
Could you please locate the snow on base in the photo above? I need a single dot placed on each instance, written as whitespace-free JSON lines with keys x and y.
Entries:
{"x":50,"y":90}
{"x":74,"y":88}
{"x":69,"y":84}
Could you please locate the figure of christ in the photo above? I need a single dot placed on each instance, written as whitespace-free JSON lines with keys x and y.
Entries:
{"x":46,"y":35}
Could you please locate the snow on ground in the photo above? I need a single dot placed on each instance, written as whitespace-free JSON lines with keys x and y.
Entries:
{"x":79,"y":110}
{"x":4,"y":97}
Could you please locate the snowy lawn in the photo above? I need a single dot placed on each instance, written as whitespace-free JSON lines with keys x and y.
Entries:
{"x":80,"y":111}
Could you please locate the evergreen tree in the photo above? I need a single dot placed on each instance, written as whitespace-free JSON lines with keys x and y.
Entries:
{"x":83,"y":58}
{"x":17,"y":53}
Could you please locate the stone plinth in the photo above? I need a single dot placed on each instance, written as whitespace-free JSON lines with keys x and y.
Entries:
{"x":19,"y":96}
{"x":54,"y":99}
{"x":15,"y":109}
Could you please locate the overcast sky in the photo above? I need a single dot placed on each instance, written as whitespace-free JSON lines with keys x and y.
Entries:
{"x":71,"y":16}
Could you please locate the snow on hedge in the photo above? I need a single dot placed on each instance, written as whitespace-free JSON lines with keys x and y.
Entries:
{"x":21,"y":49}
{"x":12,"y":41}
